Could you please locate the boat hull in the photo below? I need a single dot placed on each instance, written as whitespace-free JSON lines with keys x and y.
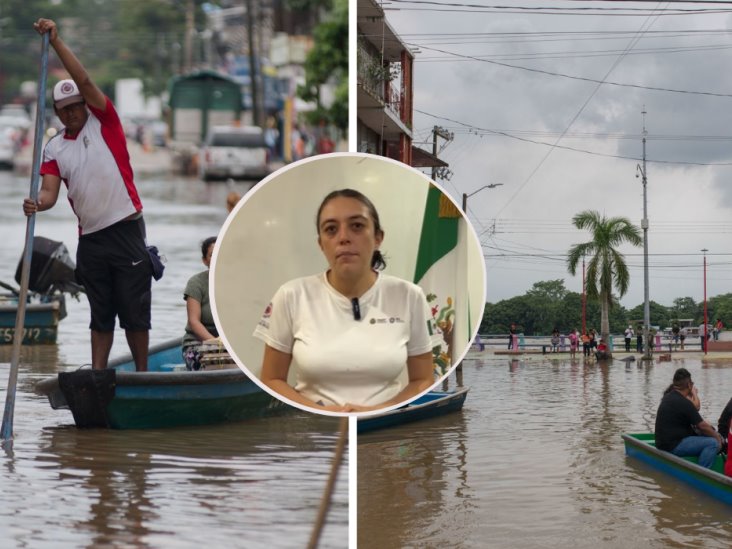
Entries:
{"x":166,"y":396}
{"x":711,"y":481}
{"x":41,"y":321}
{"x":432,"y":404}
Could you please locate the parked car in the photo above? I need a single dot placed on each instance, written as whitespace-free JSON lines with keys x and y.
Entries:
{"x":234,"y":152}
{"x":17,"y":114}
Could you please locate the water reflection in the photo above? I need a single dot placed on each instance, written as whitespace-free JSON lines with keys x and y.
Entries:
{"x":418,"y":463}
{"x":536,"y":460}
{"x":129,"y":488}
{"x":253,"y":484}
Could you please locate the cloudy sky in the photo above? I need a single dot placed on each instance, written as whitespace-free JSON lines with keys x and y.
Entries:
{"x":493,"y":77}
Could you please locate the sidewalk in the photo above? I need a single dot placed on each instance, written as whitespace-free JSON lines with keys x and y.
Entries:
{"x":717,"y":350}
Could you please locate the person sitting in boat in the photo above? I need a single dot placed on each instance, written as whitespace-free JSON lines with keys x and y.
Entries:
{"x":358,"y":340}
{"x":678,"y":423}
{"x":602,"y":353}
{"x":200,"y":327}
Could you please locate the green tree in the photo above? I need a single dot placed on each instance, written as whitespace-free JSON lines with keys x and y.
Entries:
{"x":660,"y":315}
{"x":720,"y":306}
{"x":684,"y":307}
{"x":327,"y":62}
{"x":606,"y":269}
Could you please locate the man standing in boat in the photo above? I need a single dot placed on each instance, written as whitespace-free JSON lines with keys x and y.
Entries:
{"x":679,"y":427}
{"x":90,"y":156}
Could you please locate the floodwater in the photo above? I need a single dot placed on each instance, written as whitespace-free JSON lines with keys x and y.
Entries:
{"x":535,"y":460}
{"x":249,"y":484}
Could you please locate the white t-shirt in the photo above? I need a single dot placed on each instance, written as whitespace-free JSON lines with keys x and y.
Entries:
{"x":338,"y":359}
{"x":95,"y":166}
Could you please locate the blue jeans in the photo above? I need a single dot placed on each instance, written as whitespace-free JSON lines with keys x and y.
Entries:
{"x":704,"y":447}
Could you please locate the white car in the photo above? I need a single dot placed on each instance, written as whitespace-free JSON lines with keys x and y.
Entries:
{"x":234,"y":152}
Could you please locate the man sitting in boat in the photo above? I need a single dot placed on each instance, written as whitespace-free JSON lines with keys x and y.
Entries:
{"x":678,"y":422}
{"x":601,"y":353}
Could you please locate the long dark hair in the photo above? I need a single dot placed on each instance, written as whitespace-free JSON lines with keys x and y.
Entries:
{"x":682,"y":380}
{"x":378,"y":262}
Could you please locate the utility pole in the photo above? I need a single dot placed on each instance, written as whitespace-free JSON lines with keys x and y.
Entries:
{"x":188,"y":44}
{"x":437,"y":131}
{"x":644,"y":226}
{"x":584,"y":298}
{"x":706,"y":335}
{"x":253,"y":72}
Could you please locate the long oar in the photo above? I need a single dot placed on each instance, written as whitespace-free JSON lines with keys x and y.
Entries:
{"x":6,"y":432}
{"x":330,"y":484}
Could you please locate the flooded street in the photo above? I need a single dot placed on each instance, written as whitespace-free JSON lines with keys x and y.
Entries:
{"x":536,"y":460}
{"x":248,"y":484}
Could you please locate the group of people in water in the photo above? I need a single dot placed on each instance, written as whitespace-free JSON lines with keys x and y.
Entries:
{"x":592,"y":346}
{"x":682,"y":431}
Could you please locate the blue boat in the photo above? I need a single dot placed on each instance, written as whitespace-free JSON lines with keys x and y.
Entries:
{"x":167,"y":395}
{"x":42,"y":315}
{"x":712,"y":481}
{"x":431,"y":404}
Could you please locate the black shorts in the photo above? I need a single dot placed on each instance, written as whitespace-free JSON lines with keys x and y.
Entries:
{"x":116,"y":271}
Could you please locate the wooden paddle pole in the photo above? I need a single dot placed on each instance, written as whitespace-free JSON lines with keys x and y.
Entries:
{"x":330,"y":484}
{"x":6,"y":432}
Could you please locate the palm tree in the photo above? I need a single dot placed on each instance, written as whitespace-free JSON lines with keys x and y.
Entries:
{"x":607,"y":268}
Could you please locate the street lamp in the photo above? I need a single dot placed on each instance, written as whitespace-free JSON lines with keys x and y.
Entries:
{"x":466,"y":196}
{"x":704,"y":251}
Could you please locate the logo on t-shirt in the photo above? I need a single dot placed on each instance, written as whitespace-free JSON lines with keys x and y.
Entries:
{"x":265,"y":316}
{"x":384,"y":320}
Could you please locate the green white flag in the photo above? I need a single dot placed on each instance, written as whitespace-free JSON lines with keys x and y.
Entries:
{"x":437,"y":271}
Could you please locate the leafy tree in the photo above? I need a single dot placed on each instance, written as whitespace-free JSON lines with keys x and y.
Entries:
{"x":606,"y":269}
{"x":130,"y":39}
{"x":720,"y":307}
{"x":684,"y":307}
{"x":20,"y":45}
{"x":659,"y":314}
{"x":327,"y":62}
{"x":552,"y":290}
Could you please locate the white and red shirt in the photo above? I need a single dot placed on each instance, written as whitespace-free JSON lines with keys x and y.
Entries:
{"x":95,"y":167}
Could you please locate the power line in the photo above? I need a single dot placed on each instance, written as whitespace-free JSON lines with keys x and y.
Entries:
{"x":572,"y":77}
{"x":568,"y":148}
{"x":460,"y":7}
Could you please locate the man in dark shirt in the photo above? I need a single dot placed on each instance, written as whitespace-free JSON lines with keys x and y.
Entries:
{"x":675,"y":421}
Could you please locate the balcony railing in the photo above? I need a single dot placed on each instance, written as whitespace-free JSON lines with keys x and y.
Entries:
{"x":377,"y":78}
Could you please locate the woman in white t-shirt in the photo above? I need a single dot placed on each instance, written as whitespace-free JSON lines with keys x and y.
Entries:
{"x":357,"y":339}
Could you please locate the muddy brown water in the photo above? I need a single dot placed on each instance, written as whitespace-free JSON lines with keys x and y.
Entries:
{"x":535,"y":460}
{"x":248,"y":484}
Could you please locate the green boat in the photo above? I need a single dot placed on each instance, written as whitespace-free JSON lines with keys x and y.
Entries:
{"x":167,"y":395}
{"x":712,"y":481}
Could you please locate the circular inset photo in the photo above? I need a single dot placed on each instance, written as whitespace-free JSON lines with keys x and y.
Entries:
{"x":347,"y":283}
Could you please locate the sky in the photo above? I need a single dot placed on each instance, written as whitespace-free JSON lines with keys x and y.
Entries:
{"x":517,"y":125}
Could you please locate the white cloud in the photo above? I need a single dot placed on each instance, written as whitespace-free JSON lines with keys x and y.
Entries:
{"x":688,"y":206}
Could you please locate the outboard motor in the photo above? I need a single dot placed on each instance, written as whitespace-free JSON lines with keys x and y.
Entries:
{"x":52,"y":268}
